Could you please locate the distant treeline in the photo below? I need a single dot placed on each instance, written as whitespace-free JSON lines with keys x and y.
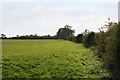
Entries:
{"x":29,"y":37}
{"x":66,"y":33}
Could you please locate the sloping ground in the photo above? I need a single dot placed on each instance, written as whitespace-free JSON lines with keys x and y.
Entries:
{"x":49,"y":58}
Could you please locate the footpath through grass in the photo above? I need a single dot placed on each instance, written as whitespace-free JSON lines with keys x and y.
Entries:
{"x":49,"y":59}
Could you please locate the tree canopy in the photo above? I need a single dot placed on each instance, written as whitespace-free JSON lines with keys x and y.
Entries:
{"x":66,"y":32}
{"x":79,"y":38}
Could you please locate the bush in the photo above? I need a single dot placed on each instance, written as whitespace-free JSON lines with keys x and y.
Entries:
{"x":112,"y":57}
{"x":101,"y":46}
{"x":72,"y":38}
{"x":108,"y":49}
{"x":97,"y":38}
{"x":79,"y":38}
{"x":89,"y":40}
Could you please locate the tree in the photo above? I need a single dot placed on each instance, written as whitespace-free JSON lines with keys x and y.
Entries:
{"x":65,"y":33}
{"x":86,"y":32}
{"x":79,"y":38}
{"x":17,"y":36}
{"x":90,"y":40}
{"x":3,"y":36}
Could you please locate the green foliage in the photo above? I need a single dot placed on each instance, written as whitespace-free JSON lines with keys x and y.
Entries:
{"x":72,"y":38}
{"x":49,"y":59}
{"x":79,"y":38}
{"x":65,"y":33}
{"x":89,"y":40}
{"x":108,"y":48}
{"x":97,"y":38}
{"x":112,"y":58}
{"x":102,"y":44}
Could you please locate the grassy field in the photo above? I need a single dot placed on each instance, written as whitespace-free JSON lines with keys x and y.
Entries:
{"x":49,"y":58}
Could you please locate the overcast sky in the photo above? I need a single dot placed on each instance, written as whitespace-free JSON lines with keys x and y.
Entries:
{"x":42,"y":17}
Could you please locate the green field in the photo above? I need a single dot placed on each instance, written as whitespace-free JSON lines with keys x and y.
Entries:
{"x":49,"y":59}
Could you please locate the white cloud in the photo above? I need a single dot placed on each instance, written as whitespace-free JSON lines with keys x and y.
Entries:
{"x":92,"y":18}
{"x":43,"y":19}
{"x":14,"y":12}
{"x":73,"y":10}
{"x":44,"y":10}
{"x":17,"y":5}
{"x":39,"y":8}
{"x":109,"y":1}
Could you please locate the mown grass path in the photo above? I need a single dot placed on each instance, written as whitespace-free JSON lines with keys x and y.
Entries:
{"x":49,"y":58}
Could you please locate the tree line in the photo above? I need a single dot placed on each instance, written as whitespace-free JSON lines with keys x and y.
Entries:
{"x":66,"y":33}
{"x":31,"y":36}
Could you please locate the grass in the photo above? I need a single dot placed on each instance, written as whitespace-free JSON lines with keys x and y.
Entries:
{"x":49,"y":59}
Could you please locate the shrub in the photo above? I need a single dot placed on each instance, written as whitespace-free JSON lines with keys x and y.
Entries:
{"x":89,"y":40}
{"x":72,"y":38}
{"x":108,"y":48}
{"x":79,"y":38}
{"x":101,"y":45}
{"x":97,"y":38}
{"x":112,"y":57}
